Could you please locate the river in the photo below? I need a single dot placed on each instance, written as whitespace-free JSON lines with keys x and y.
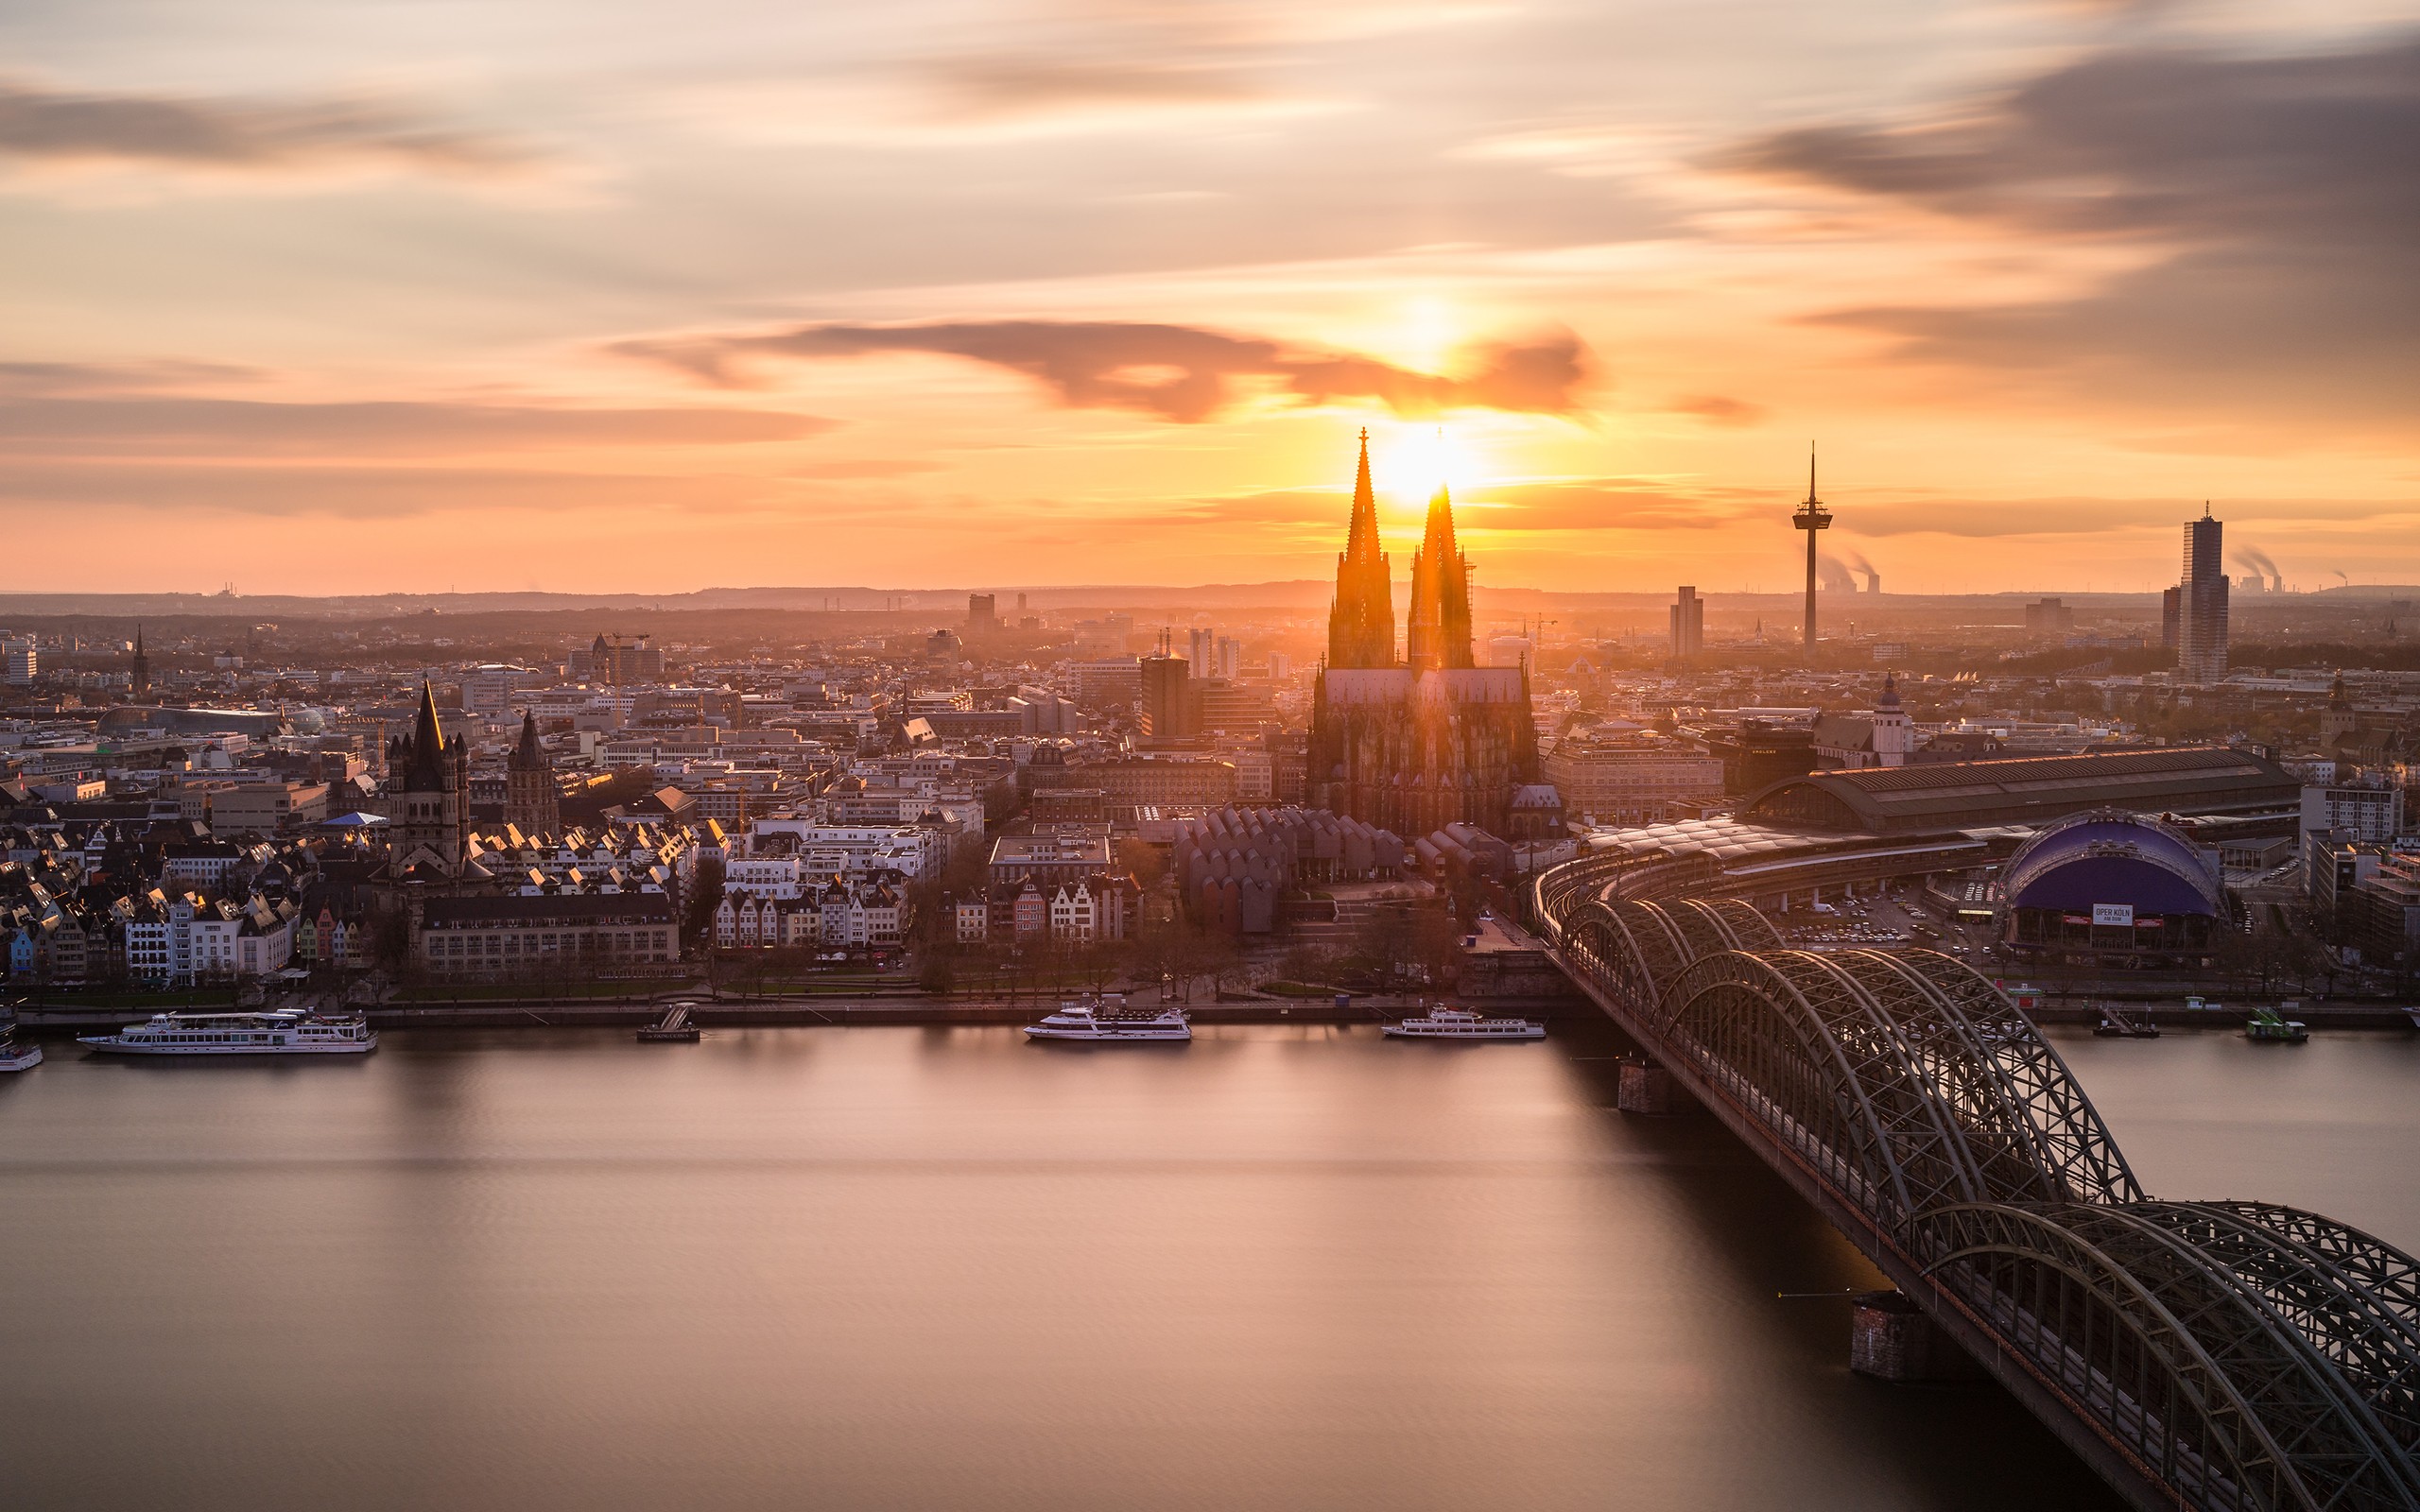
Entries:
{"x":941,"y":1270}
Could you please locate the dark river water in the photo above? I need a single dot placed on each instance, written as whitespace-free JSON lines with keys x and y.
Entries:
{"x":942,"y":1269}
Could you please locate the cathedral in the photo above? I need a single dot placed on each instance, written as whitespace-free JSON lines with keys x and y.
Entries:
{"x":1416,"y":745}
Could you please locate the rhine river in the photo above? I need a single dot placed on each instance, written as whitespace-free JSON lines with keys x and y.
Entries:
{"x":942,"y":1269}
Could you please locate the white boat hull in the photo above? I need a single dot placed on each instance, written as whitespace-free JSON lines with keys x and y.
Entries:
{"x":1525,"y":1031}
{"x":20,"y":1058}
{"x":110,"y":1044}
{"x":1038,"y":1031}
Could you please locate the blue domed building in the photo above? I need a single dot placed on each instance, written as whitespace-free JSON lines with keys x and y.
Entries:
{"x":2107,"y":882}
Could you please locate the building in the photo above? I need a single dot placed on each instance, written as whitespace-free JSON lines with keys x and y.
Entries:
{"x":1689,"y":623}
{"x":589,"y":934}
{"x":1167,"y":697}
{"x":532,"y":802}
{"x":983,"y":614}
{"x":2201,"y":603}
{"x":1109,"y":683}
{"x":1202,"y":649}
{"x":18,"y":662}
{"x":1048,"y":859}
{"x":488,"y":689}
{"x":1880,"y":737}
{"x":1413,"y":747}
{"x":138,"y":669}
{"x":427,"y":788}
{"x":2171,"y":618}
{"x":617,"y":659}
{"x":2110,"y":883}
{"x":1641,"y":780}
{"x":265,"y":808}
{"x":2048,"y":617}
{"x":2353,"y":812}
{"x":1931,"y":798}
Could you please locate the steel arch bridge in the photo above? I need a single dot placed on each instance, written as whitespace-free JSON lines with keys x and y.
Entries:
{"x":2211,"y":1355}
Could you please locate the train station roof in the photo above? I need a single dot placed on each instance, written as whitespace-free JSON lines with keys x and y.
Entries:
{"x":2200,"y":780}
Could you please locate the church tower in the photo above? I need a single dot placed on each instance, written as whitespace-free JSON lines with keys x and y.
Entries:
{"x":1362,"y":623}
{"x":427,"y":785}
{"x":532,"y":803}
{"x":2338,"y":724}
{"x":1439,"y":635}
{"x":1894,"y":737}
{"x":138,"y":671}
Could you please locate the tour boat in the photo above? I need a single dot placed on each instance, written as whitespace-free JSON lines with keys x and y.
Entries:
{"x":2272,"y":1027}
{"x":277,"y":1032}
{"x":1461,"y":1023}
{"x":1111,"y":1019}
{"x":15,"y":1053}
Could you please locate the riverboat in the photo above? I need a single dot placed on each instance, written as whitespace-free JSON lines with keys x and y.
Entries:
{"x":275,"y":1032}
{"x":1109,"y":1020}
{"x":1461,"y":1023}
{"x":15,"y":1053}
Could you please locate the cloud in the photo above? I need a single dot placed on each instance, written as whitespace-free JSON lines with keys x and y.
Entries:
{"x":1180,"y":373}
{"x":179,"y":425}
{"x":2280,"y":189}
{"x":1719,"y":409}
{"x":44,"y":125}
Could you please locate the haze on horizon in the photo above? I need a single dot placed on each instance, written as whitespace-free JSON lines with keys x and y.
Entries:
{"x":610,"y":297}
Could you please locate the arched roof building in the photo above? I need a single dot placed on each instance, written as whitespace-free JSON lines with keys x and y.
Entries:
{"x":2110,"y":881}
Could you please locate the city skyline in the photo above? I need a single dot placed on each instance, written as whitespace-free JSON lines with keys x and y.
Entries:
{"x":1101,"y":293}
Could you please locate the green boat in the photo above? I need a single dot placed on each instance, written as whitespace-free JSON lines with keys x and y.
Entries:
{"x":2266,"y":1025}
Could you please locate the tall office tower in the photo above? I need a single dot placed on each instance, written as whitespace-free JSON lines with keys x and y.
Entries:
{"x":1361,"y":621}
{"x":2202,"y":595}
{"x":982,"y":612}
{"x":1438,"y":635}
{"x":1281,"y":666}
{"x":2171,"y":616}
{"x":1202,"y":649}
{"x":1229,"y":659}
{"x":1811,"y":517}
{"x":1167,"y":697}
{"x":1689,"y":623}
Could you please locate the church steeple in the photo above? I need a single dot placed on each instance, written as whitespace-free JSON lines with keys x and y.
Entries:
{"x":1439,"y":635}
{"x":1361,"y":622}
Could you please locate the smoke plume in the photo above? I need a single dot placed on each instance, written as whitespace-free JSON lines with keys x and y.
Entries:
{"x":1835,"y":575}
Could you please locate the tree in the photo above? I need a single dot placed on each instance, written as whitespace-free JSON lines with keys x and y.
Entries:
{"x":705,"y":896}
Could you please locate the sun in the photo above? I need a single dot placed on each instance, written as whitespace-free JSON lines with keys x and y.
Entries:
{"x":1410,"y":460}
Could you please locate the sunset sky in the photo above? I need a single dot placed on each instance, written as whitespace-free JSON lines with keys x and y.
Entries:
{"x":330,"y":296}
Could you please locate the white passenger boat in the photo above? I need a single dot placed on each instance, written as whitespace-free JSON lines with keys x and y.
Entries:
{"x":1109,"y":1018}
{"x":277,"y":1032}
{"x":1461,"y":1023}
{"x":15,"y":1053}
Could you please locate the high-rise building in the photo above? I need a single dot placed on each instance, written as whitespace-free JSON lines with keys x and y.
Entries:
{"x":617,"y":659}
{"x":1168,"y":697}
{"x":983,"y":614}
{"x":1227,"y":660}
{"x":21,"y":662}
{"x":1202,"y":649}
{"x":2202,"y":596}
{"x":1361,"y":621}
{"x":2171,"y":617}
{"x":1687,"y":617}
{"x":2050,"y":616}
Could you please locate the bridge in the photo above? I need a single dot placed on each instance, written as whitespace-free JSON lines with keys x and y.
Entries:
{"x":2220,"y":1355}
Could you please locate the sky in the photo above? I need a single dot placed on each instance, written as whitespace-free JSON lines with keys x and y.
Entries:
{"x":362,"y":296}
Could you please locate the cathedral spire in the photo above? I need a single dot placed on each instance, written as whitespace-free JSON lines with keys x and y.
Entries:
{"x":1439,"y":635}
{"x":1362,"y":623}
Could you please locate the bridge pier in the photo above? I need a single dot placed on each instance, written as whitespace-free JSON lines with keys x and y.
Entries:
{"x":1891,"y":1340}
{"x":1647,"y":1088}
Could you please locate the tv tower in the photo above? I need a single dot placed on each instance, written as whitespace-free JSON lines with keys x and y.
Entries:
{"x":1811,"y":517}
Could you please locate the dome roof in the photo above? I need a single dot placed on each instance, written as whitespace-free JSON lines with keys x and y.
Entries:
{"x":2109,"y":856}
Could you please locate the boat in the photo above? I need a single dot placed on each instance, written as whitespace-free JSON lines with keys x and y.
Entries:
{"x":1110,"y":1019}
{"x":15,"y":1053}
{"x":274,"y":1032}
{"x":1461,"y":1023}
{"x":2270,"y":1026}
{"x":2116,"y":1023}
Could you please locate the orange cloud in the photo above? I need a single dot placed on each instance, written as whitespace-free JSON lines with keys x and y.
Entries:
{"x":1180,"y":373}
